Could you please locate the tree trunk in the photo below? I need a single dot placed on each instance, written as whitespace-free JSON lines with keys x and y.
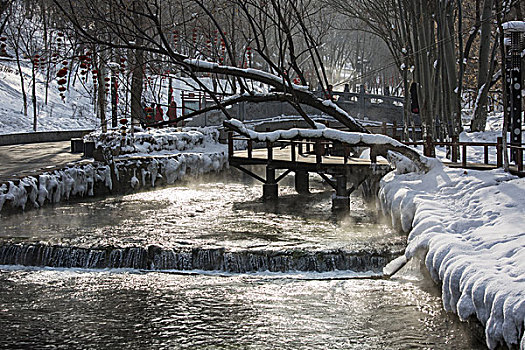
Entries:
{"x":34,"y":99}
{"x":101,"y":98}
{"x":22,"y":83}
{"x":137,"y":79}
{"x":480,"y":109}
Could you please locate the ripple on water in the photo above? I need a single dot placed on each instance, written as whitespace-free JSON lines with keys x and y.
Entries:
{"x":155,"y":310}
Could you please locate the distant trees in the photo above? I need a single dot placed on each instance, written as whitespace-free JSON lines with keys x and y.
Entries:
{"x":263,"y":50}
{"x":427,"y":41}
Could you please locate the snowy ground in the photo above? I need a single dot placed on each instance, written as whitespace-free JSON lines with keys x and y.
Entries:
{"x":469,"y":227}
{"x":76,"y":112}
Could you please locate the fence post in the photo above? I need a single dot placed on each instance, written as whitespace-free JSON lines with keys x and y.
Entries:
{"x":250,"y":148}
{"x":383,"y":128}
{"x":486,"y":154}
{"x":520,"y":159}
{"x":428,"y":147}
{"x":394,"y":130}
{"x":454,"y":149}
{"x":499,"y":152}
{"x":373,"y":155}
{"x":464,"y":156}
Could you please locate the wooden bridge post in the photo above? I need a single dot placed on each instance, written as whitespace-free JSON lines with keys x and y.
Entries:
{"x":270,"y":150}
{"x":270,"y":187}
{"x":302,"y":182}
{"x":341,"y":200}
{"x":230,"y":144}
{"x":319,"y":151}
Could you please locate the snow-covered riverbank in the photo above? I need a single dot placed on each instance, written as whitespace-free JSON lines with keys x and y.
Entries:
{"x":176,"y":155}
{"x":470,"y":225}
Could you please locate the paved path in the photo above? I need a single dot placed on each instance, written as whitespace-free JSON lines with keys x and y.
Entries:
{"x":21,"y":160}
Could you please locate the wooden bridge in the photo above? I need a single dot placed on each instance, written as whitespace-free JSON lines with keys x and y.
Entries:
{"x":332,"y":160}
{"x":336,"y":162}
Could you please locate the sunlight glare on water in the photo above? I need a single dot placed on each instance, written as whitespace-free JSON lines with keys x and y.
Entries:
{"x":131,"y":310}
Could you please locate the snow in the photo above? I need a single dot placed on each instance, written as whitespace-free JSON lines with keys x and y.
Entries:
{"x":201,"y":63}
{"x":155,"y":141}
{"x":351,"y":138}
{"x":514,"y":26}
{"x":469,"y":224}
{"x":76,"y":113}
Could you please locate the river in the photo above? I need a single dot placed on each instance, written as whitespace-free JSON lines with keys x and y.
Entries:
{"x":207,"y":264}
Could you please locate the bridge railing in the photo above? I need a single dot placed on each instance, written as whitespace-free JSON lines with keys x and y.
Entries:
{"x":318,"y":147}
{"x":458,"y":152}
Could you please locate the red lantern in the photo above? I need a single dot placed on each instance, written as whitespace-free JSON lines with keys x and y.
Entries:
{"x":62,"y":81}
{"x":123,"y":121}
{"x":62,"y":72}
{"x":61,"y":88}
{"x":64,"y":63}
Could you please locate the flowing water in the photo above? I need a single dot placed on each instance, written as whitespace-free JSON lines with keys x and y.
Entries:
{"x":209,"y":265}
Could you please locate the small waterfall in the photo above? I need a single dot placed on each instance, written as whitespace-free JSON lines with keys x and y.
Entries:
{"x":197,"y":258}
